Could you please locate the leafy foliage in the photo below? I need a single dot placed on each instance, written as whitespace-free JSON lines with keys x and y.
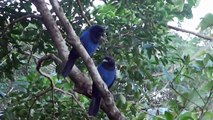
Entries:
{"x":160,"y":75}
{"x":206,"y":22}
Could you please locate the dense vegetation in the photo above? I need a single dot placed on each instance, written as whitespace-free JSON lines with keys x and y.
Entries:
{"x":160,"y":75}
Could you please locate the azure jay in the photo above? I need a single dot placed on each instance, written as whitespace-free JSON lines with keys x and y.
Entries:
{"x":107,"y":70}
{"x":90,"y":39}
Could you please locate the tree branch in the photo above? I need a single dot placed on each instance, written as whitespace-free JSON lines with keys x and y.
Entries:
{"x":187,"y":31}
{"x":112,"y":111}
{"x":172,"y":87}
{"x":82,"y":83}
{"x":82,"y":12}
{"x":52,"y":85}
{"x":206,"y":104}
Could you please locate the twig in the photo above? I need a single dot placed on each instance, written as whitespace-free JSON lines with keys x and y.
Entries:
{"x":199,"y":94}
{"x":187,"y":31}
{"x":179,"y":72}
{"x":28,"y":61}
{"x":82,"y":12}
{"x":17,"y":20}
{"x":172,"y":87}
{"x":39,"y":64}
{"x":206,"y":104}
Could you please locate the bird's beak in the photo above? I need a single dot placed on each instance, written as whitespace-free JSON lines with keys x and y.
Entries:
{"x":105,"y":60}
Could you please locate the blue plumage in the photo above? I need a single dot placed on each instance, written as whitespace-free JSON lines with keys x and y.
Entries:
{"x":107,"y":70}
{"x":90,"y":39}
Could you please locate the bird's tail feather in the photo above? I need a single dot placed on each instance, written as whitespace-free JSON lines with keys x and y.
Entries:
{"x":94,"y":106}
{"x":68,"y":67}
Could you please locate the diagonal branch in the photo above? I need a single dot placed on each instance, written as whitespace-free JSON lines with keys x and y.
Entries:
{"x":172,"y":87}
{"x":82,"y":12}
{"x":112,"y":111}
{"x":81,"y":80}
{"x":82,"y":83}
{"x":205,"y":107}
{"x":187,"y":31}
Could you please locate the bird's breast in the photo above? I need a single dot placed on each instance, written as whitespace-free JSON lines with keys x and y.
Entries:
{"x":90,"y":47}
{"x":107,"y":76}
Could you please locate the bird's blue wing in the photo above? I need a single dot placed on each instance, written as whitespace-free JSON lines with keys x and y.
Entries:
{"x":73,"y":56}
{"x":108,"y":76}
{"x":112,"y":82}
{"x":87,"y":42}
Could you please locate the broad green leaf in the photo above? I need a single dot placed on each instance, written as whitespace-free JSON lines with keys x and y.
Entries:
{"x":168,"y":116}
{"x":206,"y":22}
{"x":122,"y":99}
{"x":180,"y":5}
{"x":207,"y":116}
{"x":186,"y":116}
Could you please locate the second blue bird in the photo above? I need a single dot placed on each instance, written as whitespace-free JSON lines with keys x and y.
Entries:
{"x":90,"y":39}
{"x":107,"y":70}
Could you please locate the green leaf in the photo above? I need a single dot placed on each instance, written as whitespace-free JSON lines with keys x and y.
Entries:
{"x":141,"y":116}
{"x":192,"y":2}
{"x":180,"y":5}
{"x":207,"y":116}
{"x":207,"y":86}
{"x":31,"y":26}
{"x":168,"y":116}
{"x":206,"y":22}
{"x":122,"y":99}
{"x":186,"y":59}
{"x":186,"y":116}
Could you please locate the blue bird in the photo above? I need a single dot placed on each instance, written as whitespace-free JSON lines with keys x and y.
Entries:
{"x":90,"y":39}
{"x":107,"y":70}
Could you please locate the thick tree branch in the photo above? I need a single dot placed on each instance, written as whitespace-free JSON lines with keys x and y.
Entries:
{"x":112,"y":111}
{"x":51,"y":26}
{"x":187,"y":31}
{"x":81,"y":81}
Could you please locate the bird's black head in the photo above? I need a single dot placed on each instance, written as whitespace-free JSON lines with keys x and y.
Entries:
{"x":96,"y":32}
{"x":109,"y":63}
